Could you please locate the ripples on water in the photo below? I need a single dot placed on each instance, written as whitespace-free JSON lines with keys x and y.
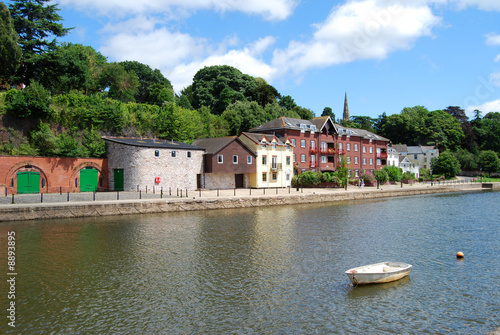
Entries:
{"x":277,"y":270}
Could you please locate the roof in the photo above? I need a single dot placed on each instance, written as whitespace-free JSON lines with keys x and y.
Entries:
{"x":152,"y":143}
{"x":286,"y":123}
{"x":257,"y":138}
{"x":415,"y":150}
{"x":341,"y":130}
{"x":401,"y":148}
{"x":216,"y":144}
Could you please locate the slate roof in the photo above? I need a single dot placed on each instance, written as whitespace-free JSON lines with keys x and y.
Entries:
{"x":341,"y":130}
{"x":256,"y":137}
{"x":216,"y":144}
{"x":286,"y":123}
{"x":401,"y":148}
{"x":415,"y":150}
{"x":152,"y":143}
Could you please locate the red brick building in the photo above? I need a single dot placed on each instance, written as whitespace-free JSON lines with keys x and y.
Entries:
{"x":27,"y":174}
{"x":320,"y":144}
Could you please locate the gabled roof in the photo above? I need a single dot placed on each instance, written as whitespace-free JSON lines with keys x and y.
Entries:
{"x":341,"y":130}
{"x":216,"y":144}
{"x":258,"y":138}
{"x":401,"y":148}
{"x":286,"y":123}
{"x":414,"y":150}
{"x":152,"y":143}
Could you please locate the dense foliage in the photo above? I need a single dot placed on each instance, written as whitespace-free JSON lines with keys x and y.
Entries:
{"x":73,"y":96}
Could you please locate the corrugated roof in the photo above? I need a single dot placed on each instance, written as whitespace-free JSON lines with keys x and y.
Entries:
{"x":152,"y":143}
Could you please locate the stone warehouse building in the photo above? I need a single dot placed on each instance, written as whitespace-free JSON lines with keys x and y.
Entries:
{"x":136,"y":163}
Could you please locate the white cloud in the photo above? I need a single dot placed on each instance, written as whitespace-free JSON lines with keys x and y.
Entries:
{"x":269,"y":9}
{"x":368,"y":29}
{"x":486,"y":5}
{"x":487,"y":107}
{"x":493,"y":39}
{"x":497,"y":58}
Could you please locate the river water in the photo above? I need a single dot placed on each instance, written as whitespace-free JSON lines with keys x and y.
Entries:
{"x":273,"y":270}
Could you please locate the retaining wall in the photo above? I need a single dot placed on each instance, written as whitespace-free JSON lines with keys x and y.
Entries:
{"x":126,"y":207}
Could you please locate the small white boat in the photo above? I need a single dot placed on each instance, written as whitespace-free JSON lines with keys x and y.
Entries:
{"x":378,"y":273}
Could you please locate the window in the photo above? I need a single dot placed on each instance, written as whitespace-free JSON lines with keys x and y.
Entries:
{"x":249,"y":159}
{"x":371,"y":150}
{"x":189,"y":154}
{"x":356,"y":174}
{"x":356,"y":160}
{"x":378,"y":162}
{"x":302,"y":158}
{"x":340,"y":146}
{"x":264,"y":176}
{"x":302,"y":143}
{"x":355,"y":147}
{"x":323,"y":159}
{"x":220,"y":159}
{"x":288,"y":147}
{"x":173,"y":153}
{"x":264,"y":160}
{"x":293,"y":141}
{"x":235,"y":159}
{"x":313,"y":144}
{"x":264,"y":146}
{"x":274,"y":145}
{"x":348,"y":160}
{"x":364,"y":149}
{"x":275,"y":176}
{"x":294,"y":160}
{"x":274,"y":162}
{"x":287,"y":160}
{"x":371,"y":161}
{"x":364,"y":161}
{"x":340,"y":159}
{"x":157,"y":153}
{"x":348,"y":146}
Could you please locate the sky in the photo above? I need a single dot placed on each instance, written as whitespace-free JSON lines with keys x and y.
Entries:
{"x":385,"y":54}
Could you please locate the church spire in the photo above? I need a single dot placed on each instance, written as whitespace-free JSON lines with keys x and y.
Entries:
{"x":346,"y":116}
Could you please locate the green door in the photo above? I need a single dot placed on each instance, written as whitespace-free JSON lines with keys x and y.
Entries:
{"x":119,"y":179}
{"x":28,"y":182}
{"x":89,"y":178}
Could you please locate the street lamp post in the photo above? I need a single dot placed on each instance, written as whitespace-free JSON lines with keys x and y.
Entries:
{"x":431,"y":178}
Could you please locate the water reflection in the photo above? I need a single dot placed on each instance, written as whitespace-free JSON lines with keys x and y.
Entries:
{"x":264,"y":270}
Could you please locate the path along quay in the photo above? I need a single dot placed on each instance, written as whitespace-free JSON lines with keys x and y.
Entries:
{"x":53,"y":206}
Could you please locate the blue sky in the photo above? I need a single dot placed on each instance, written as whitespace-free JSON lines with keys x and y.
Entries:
{"x":386,"y":54}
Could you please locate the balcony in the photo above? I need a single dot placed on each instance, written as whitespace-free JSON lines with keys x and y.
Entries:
{"x":328,"y":151}
{"x":277,"y":167}
{"x":312,"y":164}
{"x":313,"y":151}
{"x":341,"y":151}
{"x":381,"y":154}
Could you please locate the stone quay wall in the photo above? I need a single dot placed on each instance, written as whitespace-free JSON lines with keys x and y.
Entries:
{"x":127,"y":207}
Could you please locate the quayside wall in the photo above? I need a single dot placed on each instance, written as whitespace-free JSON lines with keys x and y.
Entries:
{"x":126,"y":207}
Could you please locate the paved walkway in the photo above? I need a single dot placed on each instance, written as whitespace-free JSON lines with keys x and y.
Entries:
{"x":48,"y":198}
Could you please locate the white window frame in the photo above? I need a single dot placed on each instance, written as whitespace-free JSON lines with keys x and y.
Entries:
{"x":249,"y":159}
{"x":235,"y":159}
{"x":220,"y":159}
{"x":355,"y":147}
{"x":303,"y":158}
{"x":302,"y":143}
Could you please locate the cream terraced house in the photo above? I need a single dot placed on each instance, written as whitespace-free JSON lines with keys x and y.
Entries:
{"x":274,"y":160}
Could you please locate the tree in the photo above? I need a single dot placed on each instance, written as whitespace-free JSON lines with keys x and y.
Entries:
{"x":10,"y":52}
{"x":487,"y":130}
{"x":467,"y":160}
{"x":152,"y":84}
{"x":446,"y":164}
{"x":393,"y":172}
{"x":444,"y":129}
{"x":381,"y":176}
{"x":35,"y":22}
{"x":264,"y":93}
{"x":216,"y":87}
{"x":364,"y":122}
{"x":33,"y":101}
{"x":122,"y":85}
{"x":489,"y":161}
{"x":287,"y":102}
{"x":327,"y":111}
{"x":469,"y":140}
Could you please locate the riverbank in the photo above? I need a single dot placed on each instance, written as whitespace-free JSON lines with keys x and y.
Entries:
{"x":224,"y":199}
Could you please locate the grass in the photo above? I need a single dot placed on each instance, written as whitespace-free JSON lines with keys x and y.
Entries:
{"x":488,"y":180}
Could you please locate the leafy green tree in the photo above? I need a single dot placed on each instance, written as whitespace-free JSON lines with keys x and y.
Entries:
{"x":33,"y":101}
{"x":381,"y":176}
{"x":467,"y":160}
{"x":10,"y":52}
{"x":487,"y":130}
{"x":408,"y":176}
{"x":446,"y":164}
{"x":68,"y":145}
{"x":263,"y":93}
{"x":327,"y":111}
{"x":35,"y":22}
{"x":489,"y":161}
{"x":304,"y":113}
{"x":394,"y":172}
{"x":364,"y":122}
{"x":122,"y":84}
{"x":444,"y":129}
{"x":469,"y":140}
{"x":287,"y":102}
{"x":218,"y":86}
{"x":213,"y":125}
{"x":93,"y":142}
{"x":153,"y":86}
{"x":44,"y":140}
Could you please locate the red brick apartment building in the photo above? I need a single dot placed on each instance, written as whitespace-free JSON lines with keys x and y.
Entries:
{"x":320,"y":144}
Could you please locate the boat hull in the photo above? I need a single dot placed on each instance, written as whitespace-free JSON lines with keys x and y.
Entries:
{"x":384,"y":272}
